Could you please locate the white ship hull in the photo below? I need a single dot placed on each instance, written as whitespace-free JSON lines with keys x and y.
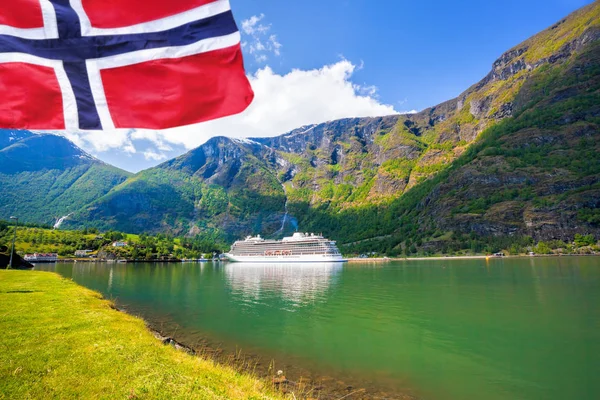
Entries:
{"x":316,"y":258}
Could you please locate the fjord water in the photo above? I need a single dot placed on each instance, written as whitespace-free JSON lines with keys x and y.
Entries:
{"x":523,"y":328}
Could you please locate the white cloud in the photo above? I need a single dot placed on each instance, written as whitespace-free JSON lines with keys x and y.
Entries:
{"x":260,"y":58}
{"x":275,"y":45}
{"x":152,"y":136}
{"x":366,"y":90}
{"x":257,"y":39}
{"x":151,"y":155}
{"x":286,"y":102}
{"x":282,"y":103}
{"x":101,"y":141}
{"x":251,"y":25}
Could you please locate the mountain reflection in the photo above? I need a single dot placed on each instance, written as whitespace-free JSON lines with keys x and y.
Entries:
{"x":298,"y":283}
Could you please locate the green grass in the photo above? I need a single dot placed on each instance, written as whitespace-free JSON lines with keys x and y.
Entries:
{"x":60,"y":340}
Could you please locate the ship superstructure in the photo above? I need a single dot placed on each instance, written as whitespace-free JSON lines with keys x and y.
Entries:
{"x":301,"y":247}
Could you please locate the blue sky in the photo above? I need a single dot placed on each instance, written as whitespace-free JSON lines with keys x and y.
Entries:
{"x":313,"y":61}
{"x":417,"y":53}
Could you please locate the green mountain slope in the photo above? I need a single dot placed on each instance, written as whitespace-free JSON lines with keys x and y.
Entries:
{"x":45,"y":177}
{"x":223,"y":187}
{"x":513,"y":156}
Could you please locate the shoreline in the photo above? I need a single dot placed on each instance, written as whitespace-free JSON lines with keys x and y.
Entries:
{"x":296,"y":379}
{"x":349,"y":260}
{"x":480,"y":257}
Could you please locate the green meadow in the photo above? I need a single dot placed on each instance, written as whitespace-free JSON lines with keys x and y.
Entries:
{"x":62,"y":341}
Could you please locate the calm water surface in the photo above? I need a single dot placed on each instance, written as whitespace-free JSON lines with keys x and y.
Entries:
{"x":452,"y":329}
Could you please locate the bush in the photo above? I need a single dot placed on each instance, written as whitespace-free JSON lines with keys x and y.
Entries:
{"x":582,"y":241}
{"x":543,"y":248}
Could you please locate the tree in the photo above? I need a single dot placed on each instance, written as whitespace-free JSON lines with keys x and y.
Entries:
{"x":543,"y":248}
{"x":515,"y":249}
{"x":582,"y":241}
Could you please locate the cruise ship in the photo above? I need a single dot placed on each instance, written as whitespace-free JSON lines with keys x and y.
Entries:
{"x":301,"y":247}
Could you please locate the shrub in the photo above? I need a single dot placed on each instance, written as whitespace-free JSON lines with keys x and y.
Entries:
{"x":582,"y":241}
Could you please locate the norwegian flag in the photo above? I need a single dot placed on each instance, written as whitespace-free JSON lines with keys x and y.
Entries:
{"x":103,"y":64}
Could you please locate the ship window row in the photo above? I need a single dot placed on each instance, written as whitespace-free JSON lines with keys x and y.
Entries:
{"x":282,"y":245}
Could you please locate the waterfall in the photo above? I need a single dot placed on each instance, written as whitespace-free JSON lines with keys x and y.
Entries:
{"x":61,"y":220}
{"x":285,"y":216}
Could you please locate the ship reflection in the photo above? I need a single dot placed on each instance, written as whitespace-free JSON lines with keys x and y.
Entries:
{"x":297,"y":283}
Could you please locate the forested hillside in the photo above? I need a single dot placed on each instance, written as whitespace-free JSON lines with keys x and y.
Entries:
{"x":222,"y":189}
{"x":45,"y":177}
{"x":36,"y":239}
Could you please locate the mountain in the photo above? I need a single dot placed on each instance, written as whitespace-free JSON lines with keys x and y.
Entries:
{"x":512,"y":159}
{"x":45,"y":177}
{"x":224,"y":186}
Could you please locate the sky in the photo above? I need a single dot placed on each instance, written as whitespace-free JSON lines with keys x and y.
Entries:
{"x":313,"y":61}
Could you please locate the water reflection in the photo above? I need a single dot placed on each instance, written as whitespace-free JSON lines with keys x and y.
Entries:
{"x":110,"y":279}
{"x":298,"y":283}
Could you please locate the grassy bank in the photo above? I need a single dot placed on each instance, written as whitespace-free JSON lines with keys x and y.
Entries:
{"x":60,"y":340}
